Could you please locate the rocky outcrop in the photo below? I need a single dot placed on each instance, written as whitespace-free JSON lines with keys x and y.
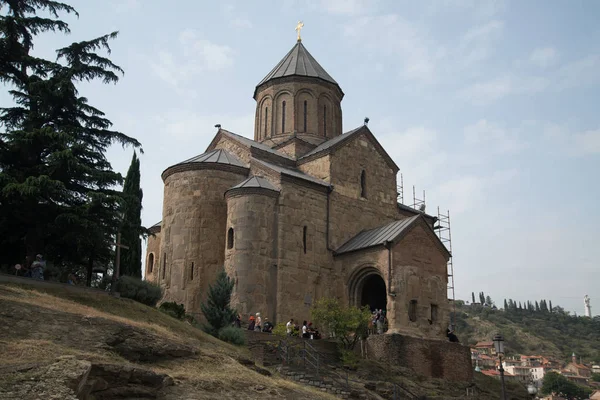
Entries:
{"x":137,"y":345}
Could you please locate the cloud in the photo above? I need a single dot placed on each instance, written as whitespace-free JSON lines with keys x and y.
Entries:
{"x":235,"y":19}
{"x":543,"y":57}
{"x":192,"y":56}
{"x":574,"y":144}
{"x":346,"y":7}
{"x":125,"y":6}
{"x":486,"y":92}
{"x":582,"y":72}
{"x":493,"y":137}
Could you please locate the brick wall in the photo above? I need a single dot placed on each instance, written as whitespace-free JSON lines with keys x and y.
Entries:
{"x":427,"y":357}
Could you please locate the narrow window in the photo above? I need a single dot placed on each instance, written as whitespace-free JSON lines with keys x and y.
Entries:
{"x":164,"y":265}
{"x":230,"y":238}
{"x":304,"y":239}
{"x":266,"y":119}
{"x":192,"y":272}
{"x":434,"y":314}
{"x":325,"y":120}
{"x":283,"y":117}
{"x":305,"y":112}
{"x":150,"y":262}
{"x":412,"y":311}
{"x":363,"y":184}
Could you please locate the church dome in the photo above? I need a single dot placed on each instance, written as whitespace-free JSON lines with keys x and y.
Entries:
{"x":215,"y":159}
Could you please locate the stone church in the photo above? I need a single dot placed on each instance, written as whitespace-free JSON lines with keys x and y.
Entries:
{"x":303,"y":211}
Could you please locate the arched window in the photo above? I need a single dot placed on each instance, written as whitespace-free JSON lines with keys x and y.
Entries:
{"x":325,"y":121}
{"x":230,"y":238}
{"x":192,"y":272}
{"x":304,"y":238}
{"x":363,"y":184}
{"x":305,"y":112}
{"x":434,"y":314}
{"x":164,"y":265}
{"x":150,"y":262}
{"x":412,"y":311}
{"x":283,"y":117}
{"x":266,"y":119}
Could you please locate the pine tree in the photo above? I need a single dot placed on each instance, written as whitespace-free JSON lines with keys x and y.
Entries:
{"x":216,"y":310}
{"x":54,"y":175}
{"x":131,"y":229}
{"x":505,"y":305}
{"x":473,"y":296}
{"x":488,"y":301}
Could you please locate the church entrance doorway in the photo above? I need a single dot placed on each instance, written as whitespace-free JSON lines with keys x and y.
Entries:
{"x":367,"y":288}
{"x":373,"y":293}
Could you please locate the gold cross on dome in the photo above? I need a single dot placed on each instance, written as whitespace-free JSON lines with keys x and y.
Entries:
{"x":299,"y":28}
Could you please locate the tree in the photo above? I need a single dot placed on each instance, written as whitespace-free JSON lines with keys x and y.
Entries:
{"x":550,"y":307}
{"x":520,"y":306}
{"x":543,"y":306}
{"x":217,"y":310}
{"x":505,"y":305}
{"x":473,"y":296}
{"x":537,"y":306}
{"x":555,"y":383}
{"x":481,"y":298}
{"x":54,"y":175}
{"x":131,"y":227}
{"x":488,"y":301}
{"x":348,"y":324}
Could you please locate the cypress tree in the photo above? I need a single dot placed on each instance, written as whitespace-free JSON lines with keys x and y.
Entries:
{"x":550,"y":307}
{"x":54,"y":175}
{"x":505,"y":305}
{"x":473,"y":296}
{"x":216,"y":310}
{"x":131,"y":229}
{"x":520,"y":306}
{"x":537,"y":306}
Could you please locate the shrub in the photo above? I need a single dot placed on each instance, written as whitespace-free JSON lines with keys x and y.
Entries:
{"x":280,"y":330}
{"x":217,"y":311}
{"x":141,"y":291}
{"x":232,"y":335}
{"x":173,"y":309}
{"x":348,"y":324}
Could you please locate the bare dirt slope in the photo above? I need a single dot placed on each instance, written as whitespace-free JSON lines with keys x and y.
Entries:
{"x":58,"y":345}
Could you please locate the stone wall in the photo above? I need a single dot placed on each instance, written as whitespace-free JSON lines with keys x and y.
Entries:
{"x":250,"y":260}
{"x":427,"y":357}
{"x":193,"y":234}
{"x":152,"y":262}
{"x":419,"y":273}
{"x":319,"y":168}
{"x":350,"y":212}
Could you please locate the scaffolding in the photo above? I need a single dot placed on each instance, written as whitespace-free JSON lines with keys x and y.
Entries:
{"x":418,"y":204}
{"x":400,"y":189}
{"x":445,"y":235}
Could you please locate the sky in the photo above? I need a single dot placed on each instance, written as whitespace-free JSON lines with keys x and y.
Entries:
{"x":491,"y":107}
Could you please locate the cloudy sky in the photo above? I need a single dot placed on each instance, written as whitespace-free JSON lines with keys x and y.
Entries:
{"x":491,"y":107}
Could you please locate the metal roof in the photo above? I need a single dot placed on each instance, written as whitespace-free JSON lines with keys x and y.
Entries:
{"x":156,"y":225}
{"x":331,"y":142}
{"x":298,"y":62}
{"x":256,"y":182}
{"x":252,"y":143}
{"x":378,"y":236}
{"x":293,"y":173}
{"x":219,"y":156}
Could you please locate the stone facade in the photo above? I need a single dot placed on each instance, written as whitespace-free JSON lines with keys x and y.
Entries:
{"x":284,"y":236}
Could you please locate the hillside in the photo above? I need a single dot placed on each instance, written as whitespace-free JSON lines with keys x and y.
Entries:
{"x":51,"y":338}
{"x":555,"y":334}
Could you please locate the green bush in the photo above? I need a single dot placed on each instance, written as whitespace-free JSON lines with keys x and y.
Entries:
{"x":232,"y":335}
{"x":173,"y":309}
{"x":139,"y":290}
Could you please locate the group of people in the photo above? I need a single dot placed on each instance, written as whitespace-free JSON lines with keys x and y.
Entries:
{"x":255,"y":323}
{"x":35,"y":270}
{"x":377,"y":322}
{"x":308,"y":331}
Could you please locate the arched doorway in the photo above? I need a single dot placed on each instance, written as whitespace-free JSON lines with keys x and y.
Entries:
{"x":373,"y":293}
{"x":367,"y":288}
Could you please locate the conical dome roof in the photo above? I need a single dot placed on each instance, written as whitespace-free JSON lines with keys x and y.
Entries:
{"x":298,"y":62}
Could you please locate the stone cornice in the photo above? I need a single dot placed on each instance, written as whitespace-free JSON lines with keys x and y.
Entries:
{"x":299,"y":79}
{"x":201,"y":166}
{"x":247,"y":191}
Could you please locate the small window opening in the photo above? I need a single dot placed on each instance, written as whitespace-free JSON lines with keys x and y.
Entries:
{"x":304,"y":238}
{"x":305,"y":112}
{"x":192,"y":272}
{"x":150,"y":262}
{"x":434,"y":314}
{"x":412,"y":311}
{"x":164,"y":265}
{"x":325,"y":121}
{"x":230,"y":238}
{"x":266,"y":119}
{"x":283,"y":117}
{"x":363,"y":184}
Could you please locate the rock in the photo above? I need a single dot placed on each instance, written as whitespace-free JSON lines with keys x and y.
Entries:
{"x":370,"y":386}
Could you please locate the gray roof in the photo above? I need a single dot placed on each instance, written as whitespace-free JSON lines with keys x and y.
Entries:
{"x":332,"y":142}
{"x":256,"y":182}
{"x":378,"y":236}
{"x":252,"y":143}
{"x":219,"y":156}
{"x":298,"y":62}
{"x":293,"y":173}
{"x":156,"y":225}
